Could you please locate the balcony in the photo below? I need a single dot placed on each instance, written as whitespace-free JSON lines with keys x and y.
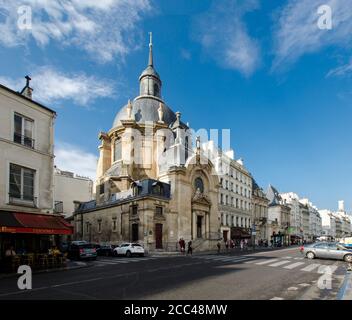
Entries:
{"x":23,"y":140}
{"x":22,"y":200}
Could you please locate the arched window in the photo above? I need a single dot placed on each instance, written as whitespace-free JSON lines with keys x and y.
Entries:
{"x":118,"y":150}
{"x":198,"y":183}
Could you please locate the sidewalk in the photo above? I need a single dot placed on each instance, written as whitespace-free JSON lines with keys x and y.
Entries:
{"x":71,"y":265}
{"x":345,"y":292}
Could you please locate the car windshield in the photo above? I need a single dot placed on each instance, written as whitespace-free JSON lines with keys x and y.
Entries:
{"x":136,"y":245}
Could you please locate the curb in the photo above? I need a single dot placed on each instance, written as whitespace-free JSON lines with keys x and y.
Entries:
{"x":345,"y":292}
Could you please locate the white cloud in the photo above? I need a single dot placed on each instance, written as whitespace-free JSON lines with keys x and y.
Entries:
{"x":72,"y":158}
{"x":51,"y":86}
{"x":224,"y":36}
{"x":103,"y":28}
{"x":297,"y":31}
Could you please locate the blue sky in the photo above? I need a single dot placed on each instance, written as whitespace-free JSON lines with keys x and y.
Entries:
{"x":260,"y":68}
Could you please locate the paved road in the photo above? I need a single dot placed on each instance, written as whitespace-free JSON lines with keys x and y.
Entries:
{"x":281,"y":274}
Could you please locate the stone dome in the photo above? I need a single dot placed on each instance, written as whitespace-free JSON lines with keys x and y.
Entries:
{"x":145,"y":108}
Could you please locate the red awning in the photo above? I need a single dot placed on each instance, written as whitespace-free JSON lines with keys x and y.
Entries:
{"x":18,"y":222}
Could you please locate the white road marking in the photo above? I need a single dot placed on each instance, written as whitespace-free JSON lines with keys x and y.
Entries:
{"x":294,"y":265}
{"x":266,"y":262}
{"x":277,"y":298}
{"x":292,"y":289}
{"x":327,"y":269}
{"x":301,"y":258}
{"x":304,"y":285}
{"x":311,"y":267}
{"x":280,"y":263}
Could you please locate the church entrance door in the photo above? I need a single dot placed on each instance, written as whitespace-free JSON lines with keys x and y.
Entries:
{"x":158,"y":236}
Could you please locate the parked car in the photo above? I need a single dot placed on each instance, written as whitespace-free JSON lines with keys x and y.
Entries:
{"x":105,"y":250}
{"x":129,"y":249}
{"x":81,"y":250}
{"x":327,"y":250}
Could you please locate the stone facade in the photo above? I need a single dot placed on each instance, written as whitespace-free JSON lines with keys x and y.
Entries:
{"x":260,"y":205}
{"x":235,"y":193}
{"x":149,"y":143}
{"x":26,"y":144}
{"x":69,"y":188}
{"x":278,"y":218}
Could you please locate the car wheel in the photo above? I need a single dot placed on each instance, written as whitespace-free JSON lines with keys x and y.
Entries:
{"x":128,"y":254}
{"x":310,"y":255}
{"x":348,"y":258}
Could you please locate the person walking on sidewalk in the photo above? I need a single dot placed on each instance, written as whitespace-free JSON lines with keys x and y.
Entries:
{"x":242,"y":244}
{"x":232,"y":244}
{"x":227,"y":246}
{"x":190,"y":249}
{"x":219,"y":246}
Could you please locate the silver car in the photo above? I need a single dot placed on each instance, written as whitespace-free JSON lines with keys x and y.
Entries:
{"x":327,"y":250}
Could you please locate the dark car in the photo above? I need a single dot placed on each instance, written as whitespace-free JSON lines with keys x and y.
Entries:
{"x":80,"y":250}
{"x":105,"y":250}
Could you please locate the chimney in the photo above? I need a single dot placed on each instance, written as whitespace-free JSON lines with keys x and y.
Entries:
{"x":341,"y":205}
{"x":27,"y":90}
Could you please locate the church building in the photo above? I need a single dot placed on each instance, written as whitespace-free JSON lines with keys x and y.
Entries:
{"x":152,"y":187}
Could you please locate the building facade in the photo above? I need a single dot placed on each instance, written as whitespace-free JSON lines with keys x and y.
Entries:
{"x":305,"y":222}
{"x":279,"y":217}
{"x":26,"y":173}
{"x":147,"y":152}
{"x":315,"y":222}
{"x":260,"y":205}
{"x":296,"y":217}
{"x":328,"y":222}
{"x":69,"y":188}
{"x":235,"y":194}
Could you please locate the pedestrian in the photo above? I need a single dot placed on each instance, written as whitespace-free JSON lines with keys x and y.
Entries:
{"x":232,"y":244}
{"x":227,"y":245}
{"x":10,"y":252}
{"x":219,"y":246}
{"x":242,"y":244}
{"x":180,"y":245}
{"x":246,"y":244}
{"x":190,"y":249}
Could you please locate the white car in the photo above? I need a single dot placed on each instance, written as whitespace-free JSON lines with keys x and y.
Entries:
{"x":129,"y":249}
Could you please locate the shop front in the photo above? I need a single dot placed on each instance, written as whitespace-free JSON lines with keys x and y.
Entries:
{"x":280,"y":239}
{"x":30,"y":233}
{"x":239,"y":233}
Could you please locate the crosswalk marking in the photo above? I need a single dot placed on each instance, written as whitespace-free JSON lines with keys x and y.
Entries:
{"x":300,"y":258}
{"x":327,"y":269}
{"x":311,"y":267}
{"x":280,"y":263}
{"x":266,"y":262}
{"x":293,"y":265}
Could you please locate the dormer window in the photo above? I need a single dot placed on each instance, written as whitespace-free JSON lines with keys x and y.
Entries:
{"x":157,"y":189}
